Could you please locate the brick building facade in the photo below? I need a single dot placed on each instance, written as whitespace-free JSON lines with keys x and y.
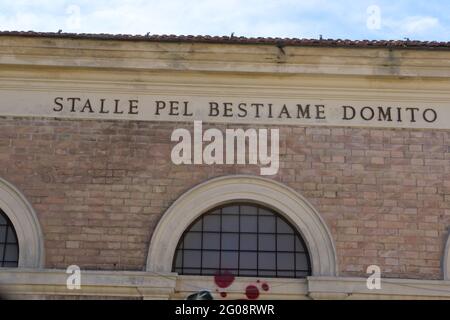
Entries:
{"x":98,"y":186}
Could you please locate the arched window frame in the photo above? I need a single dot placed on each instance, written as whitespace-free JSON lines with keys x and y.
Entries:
{"x":274,"y":195}
{"x":446,"y":259}
{"x":26,"y":224}
{"x":276,"y":215}
{"x":8,"y":239}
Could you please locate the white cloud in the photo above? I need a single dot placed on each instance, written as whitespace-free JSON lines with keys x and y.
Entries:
{"x":21,"y":20}
{"x":419,"y":24}
{"x":413,"y":25}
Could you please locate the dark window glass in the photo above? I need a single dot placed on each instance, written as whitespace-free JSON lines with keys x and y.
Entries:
{"x":267,"y":224}
{"x":249,"y":224}
{"x":9,"y":246}
{"x":11,"y":253}
{"x":265,"y":273}
{"x":211,"y":241}
{"x":230,"y":223}
{"x":266,"y":242}
{"x":192,"y":258}
{"x":191,"y":271}
{"x":285,"y":261}
{"x":12,"y":238}
{"x":299,"y":246}
{"x":249,"y":242}
{"x":265,"y":212}
{"x":283,"y":227}
{"x":229,"y":260}
{"x":302,"y":264}
{"x":211,"y":223}
{"x":267,"y":260}
{"x":230,"y":210}
{"x":211,"y":259}
{"x":3,"y":232}
{"x":246,"y":240}
{"x":193,"y":240}
{"x":197,"y":226}
{"x":215,"y":212}
{"x":208,"y":272}
{"x":179,"y":261}
{"x":248,"y":260}
{"x":230,"y":241}
{"x":285,"y":242}
{"x":249,"y":210}
{"x":286,"y":274}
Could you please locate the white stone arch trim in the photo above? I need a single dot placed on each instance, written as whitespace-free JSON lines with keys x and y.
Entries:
{"x":26,"y":224}
{"x":222,"y":190}
{"x":446,"y":262}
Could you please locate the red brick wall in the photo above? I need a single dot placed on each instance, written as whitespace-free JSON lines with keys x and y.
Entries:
{"x":99,"y":188}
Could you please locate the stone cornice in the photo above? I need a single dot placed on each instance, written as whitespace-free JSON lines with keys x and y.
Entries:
{"x":217,"y":57}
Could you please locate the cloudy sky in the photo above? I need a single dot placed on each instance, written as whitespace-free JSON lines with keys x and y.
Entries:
{"x":350,"y":19}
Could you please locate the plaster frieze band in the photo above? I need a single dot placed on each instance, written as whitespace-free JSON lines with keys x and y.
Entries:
{"x":220,"y":109}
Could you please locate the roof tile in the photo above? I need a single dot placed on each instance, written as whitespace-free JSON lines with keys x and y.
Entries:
{"x":413,"y":44}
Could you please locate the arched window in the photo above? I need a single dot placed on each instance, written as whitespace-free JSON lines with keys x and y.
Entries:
{"x":241,"y":189}
{"x":9,"y":247}
{"x":18,"y":218}
{"x":245,"y":240}
{"x":446,"y":261}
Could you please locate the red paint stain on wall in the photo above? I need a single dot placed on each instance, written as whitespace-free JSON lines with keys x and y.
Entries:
{"x":252,"y":292}
{"x":224,"y":280}
{"x":265,"y":287}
